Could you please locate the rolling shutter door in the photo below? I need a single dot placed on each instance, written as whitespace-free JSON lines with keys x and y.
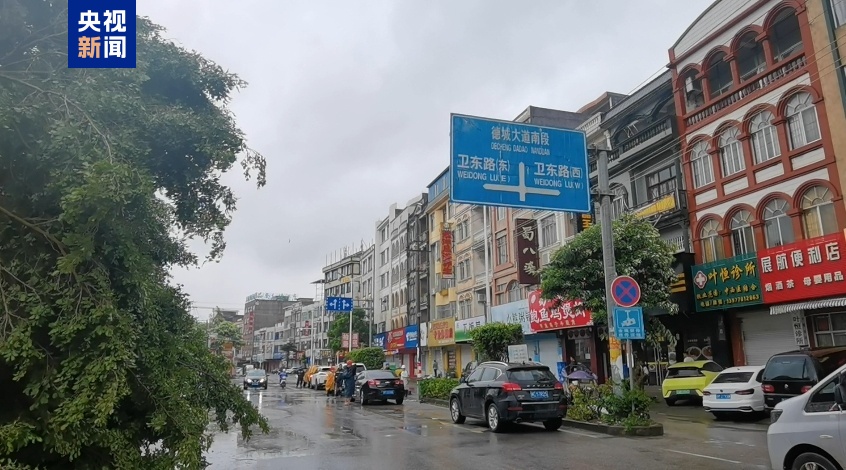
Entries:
{"x":765,"y":335}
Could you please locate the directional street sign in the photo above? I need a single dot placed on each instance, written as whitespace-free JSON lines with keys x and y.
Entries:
{"x":339,"y":304}
{"x":628,"y":323}
{"x":510,"y":164}
{"x":625,"y":291}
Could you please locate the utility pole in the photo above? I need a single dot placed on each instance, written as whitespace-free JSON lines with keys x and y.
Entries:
{"x":608,"y":261}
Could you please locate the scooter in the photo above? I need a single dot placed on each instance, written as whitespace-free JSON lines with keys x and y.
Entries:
{"x":283,"y":380}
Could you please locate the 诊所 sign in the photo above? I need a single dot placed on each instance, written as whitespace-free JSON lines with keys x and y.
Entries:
{"x":727,"y":283}
{"x":807,"y":269}
{"x":510,"y":164}
{"x":101,"y":34}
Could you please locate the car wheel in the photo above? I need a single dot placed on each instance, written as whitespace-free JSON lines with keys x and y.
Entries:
{"x":361,"y":397}
{"x":812,"y":461}
{"x":265,"y":386}
{"x":399,"y":400}
{"x":245,"y":387}
{"x":495,"y":421}
{"x":670,"y":401}
{"x":455,"y":411}
{"x":553,"y":424}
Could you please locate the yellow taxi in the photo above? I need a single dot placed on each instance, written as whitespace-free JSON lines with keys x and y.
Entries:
{"x":687,"y":380}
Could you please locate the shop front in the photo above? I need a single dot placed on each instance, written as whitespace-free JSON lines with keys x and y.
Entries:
{"x":463,"y":340}
{"x":562,"y":329}
{"x":442,"y":359}
{"x":543,"y":347}
{"x":409,"y":349}
{"x":395,"y":340}
{"x":804,"y":287}
{"x":379,"y":340}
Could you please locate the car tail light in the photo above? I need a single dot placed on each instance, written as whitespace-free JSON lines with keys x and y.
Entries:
{"x":397,"y":382}
{"x":745,"y":392}
{"x":558,"y":386}
{"x":768,"y":388}
{"x":806,"y":388}
{"x":511,"y":387}
{"x":706,"y":393}
{"x":373,"y":383}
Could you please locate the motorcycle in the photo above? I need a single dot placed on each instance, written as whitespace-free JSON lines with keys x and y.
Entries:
{"x":283,"y":380}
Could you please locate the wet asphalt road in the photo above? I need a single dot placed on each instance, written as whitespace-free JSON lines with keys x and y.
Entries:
{"x":311,"y":431}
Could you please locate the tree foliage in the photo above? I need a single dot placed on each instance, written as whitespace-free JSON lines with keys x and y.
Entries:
{"x":576,"y":269}
{"x":373,"y":358}
{"x":341,"y":325}
{"x":491,"y":341}
{"x":226,"y":332}
{"x":104,"y":175}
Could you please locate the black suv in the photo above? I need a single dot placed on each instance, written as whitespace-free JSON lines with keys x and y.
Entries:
{"x":793,"y":373}
{"x":501,"y":393}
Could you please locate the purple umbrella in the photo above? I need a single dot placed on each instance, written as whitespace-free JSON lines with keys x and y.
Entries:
{"x":580,"y":375}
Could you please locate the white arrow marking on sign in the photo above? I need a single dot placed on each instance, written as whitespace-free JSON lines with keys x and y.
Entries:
{"x":521,"y":187}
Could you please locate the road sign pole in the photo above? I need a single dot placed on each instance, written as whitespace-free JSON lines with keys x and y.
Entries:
{"x":606,"y":222}
{"x":487,"y":267}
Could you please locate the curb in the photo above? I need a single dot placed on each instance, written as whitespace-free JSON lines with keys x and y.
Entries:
{"x":435,"y":401}
{"x":653,"y":430}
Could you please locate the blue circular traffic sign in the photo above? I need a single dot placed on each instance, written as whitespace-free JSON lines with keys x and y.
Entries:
{"x":625,"y":291}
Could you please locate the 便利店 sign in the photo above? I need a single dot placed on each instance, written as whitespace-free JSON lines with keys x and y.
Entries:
{"x":727,"y":283}
{"x":807,"y":269}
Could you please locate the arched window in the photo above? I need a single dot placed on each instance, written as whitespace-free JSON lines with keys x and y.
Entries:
{"x":802,"y":122}
{"x":785,"y":35}
{"x":515,"y":292}
{"x":818,"y":212}
{"x":742,"y":237}
{"x":712,"y":245}
{"x":620,"y":203}
{"x":750,"y":56}
{"x":700,"y":163}
{"x":731,"y":153}
{"x":764,"y":137}
{"x":777,"y":225}
{"x":719,"y":75}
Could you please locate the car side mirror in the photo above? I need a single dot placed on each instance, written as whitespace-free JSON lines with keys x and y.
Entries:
{"x":462,"y":380}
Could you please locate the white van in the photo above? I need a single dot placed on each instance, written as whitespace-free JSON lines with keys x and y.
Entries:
{"x":809,"y":431}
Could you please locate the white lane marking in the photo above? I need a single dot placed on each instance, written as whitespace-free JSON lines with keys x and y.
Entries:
{"x":704,"y":456}
{"x":592,"y":436}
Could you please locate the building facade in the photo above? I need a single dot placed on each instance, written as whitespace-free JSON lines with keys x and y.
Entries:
{"x":262,"y":310}
{"x":350,"y":275}
{"x":763,"y":189}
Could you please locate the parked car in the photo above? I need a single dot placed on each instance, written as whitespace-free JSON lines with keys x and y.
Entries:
{"x":793,"y":373}
{"x":382,"y":385}
{"x":256,"y":378}
{"x":687,"y":380}
{"x":501,"y":393}
{"x":735,"y":390}
{"x":318,"y":378}
{"x":806,"y":430}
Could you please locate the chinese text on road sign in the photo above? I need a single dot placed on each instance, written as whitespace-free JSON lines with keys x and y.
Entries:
{"x":628,"y":323}
{"x":101,"y":34}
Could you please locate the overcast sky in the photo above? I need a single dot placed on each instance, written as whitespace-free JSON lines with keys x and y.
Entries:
{"x":350,"y":102}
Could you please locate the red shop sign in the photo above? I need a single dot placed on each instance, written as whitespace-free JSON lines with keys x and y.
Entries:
{"x":545,"y":315}
{"x":807,"y":269}
{"x":396,"y":339}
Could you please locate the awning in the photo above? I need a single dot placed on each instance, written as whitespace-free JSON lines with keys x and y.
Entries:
{"x":809,"y":305}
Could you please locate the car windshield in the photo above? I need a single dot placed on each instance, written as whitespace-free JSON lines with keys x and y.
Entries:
{"x":255,"y":373}
{"x":537,"y":374}
{"x":380,"y":374}
{"x":733,"y":378}
{"x":787,"y":368}
{"x":684,"y":372}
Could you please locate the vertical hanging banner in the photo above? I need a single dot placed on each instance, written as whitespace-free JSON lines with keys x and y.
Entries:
{"x":101,"y":34}
{"x":447,"y":265}
{"x":528,"y":258}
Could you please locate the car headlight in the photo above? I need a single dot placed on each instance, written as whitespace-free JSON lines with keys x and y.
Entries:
{"x":262,"y":380}
{"x":775,"y":415}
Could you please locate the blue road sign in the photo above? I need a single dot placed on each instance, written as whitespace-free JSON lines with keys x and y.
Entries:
{"x":625,"y":291}
{"x":628,"y":323}
{"x":504,"y":163}
{"x":339,"y":304}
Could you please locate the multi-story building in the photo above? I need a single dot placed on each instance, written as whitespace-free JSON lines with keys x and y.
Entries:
{"x":262,"y":310}
{"x":352,"y":276}
{"x":471,"y":276}
{"x":417,"y":281}
{"x":382,"y":244}
{"x":764,"y":194}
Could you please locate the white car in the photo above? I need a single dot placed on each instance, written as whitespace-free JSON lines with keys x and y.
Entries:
{"x":736,"y":390}
{"x":806,"y":431}
{"x":318,"y":379}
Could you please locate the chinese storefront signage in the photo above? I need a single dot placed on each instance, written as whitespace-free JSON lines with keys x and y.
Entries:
{"x":463,"y":328}
{"x":545,"y":315}
{"x":528,"y":258}
{"x":513,"y":313}
{"x":412,"y":335}
{"x":804,"y":270}
{"x":446,"y":255}
{"x":727,"y":283}
{"x":396,"y":339}
{"x":441,"y":332}
{"x":379,"y":340}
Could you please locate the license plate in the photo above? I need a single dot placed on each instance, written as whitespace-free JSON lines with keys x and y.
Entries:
{"x":543,"y":394}
{"x":387,"y":392}
{"x":724,"y":396}
{"x":682,"y":392}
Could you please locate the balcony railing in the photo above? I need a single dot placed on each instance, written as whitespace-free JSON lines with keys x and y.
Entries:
{"x":645,"y":138}
{"x":787,"y":70}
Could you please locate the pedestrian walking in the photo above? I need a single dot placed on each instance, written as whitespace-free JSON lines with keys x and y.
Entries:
{"x":404,"y":377}
{"x":300,"y":375}
{"x":349,"y":381}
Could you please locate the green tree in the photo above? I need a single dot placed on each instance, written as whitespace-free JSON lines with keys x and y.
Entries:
{"x":104,"y":176}
{"x":341,"y":324}
{"x":225,"y":332}
{"x":288,"y":348}
{"x":576,"y":269}
{"x":373,"y":358}
{"x":491,"y":341}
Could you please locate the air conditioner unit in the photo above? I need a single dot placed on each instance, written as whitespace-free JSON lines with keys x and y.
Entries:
{"x":481,"y":297}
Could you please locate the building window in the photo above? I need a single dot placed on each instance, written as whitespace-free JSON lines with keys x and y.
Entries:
{"x":464,"y":308}
{"x":700,"y":162}
{"x":802,"y":123}
{"x":712,"y":245}
{"x":500,"y":213}
{"x":731,"y":153}
{"x":764,"y":137}
{"x":777,"y":225}
{"x":620,"y":203}
{"x":742,"y":236}
{"x":818,"y":212}
{"x":750,"y":56}
{"x":661,"y":183}
{"x":515,"y":292}
{"x":830,"y":329}
{"x":549,"y":231}
{"x":838,"y":7}
{"x":501,"y":249}
{"x":719,"y":75}
{"x":785,"y":35}
{"x":694,"y":97}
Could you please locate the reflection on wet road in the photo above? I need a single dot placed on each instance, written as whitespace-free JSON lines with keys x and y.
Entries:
{"x":312,"y":431}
